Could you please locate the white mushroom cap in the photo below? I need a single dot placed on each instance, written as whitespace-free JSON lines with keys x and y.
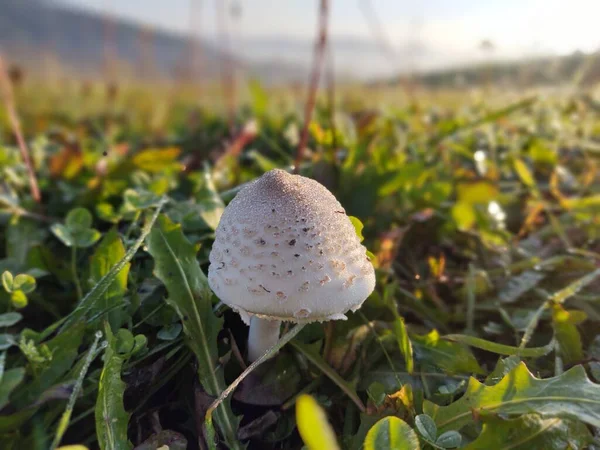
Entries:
{"x":286,"y":250}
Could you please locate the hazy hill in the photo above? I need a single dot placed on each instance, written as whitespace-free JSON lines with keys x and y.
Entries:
{"x":30,"y":30}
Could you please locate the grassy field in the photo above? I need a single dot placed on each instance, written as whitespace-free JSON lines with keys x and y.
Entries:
{"x":482,"y":211}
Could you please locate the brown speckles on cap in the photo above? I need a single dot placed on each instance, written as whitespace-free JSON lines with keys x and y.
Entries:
{"x":293,"y":242}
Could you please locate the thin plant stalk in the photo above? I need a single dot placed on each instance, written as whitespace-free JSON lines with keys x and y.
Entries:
{"x":268,"y":354}
{"x":66,"y":417}
{"x":319,"y":56}
{"x":9,"y":103}
{"x":74,"y":273}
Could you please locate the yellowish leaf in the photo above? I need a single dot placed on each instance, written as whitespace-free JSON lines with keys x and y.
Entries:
{"x":315,"y":430}
{"x":463,"y":215}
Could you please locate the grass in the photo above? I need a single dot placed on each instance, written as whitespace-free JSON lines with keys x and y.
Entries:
{"x":482,"y":210}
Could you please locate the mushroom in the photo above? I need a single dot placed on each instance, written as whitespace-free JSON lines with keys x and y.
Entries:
{"x":285,"y":250}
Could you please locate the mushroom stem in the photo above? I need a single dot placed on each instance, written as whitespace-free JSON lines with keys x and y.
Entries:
{"x":264,"y":334}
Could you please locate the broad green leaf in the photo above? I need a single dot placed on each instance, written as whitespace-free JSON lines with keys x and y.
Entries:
{"x":503,"y":367}
{"x":376,"y":392}
{"x":391,"y":433}
{"x":108,"y":253}
{"x":313,"y":426}
{"x":208,"y":199}
{"x":7,"y":281}
{"x":530,"y":431}
{"x":10,"y":380}
{"x":137,"y":199}
{"x":9,"y":319}
{"x":22,"y":234}
{"x":519,"y":285}
{"x":452,"y":357}
{"x":426,"y":426}
{"x":63,"y":233}
{"x":24,"y":282}
{"x":500,"y":349}
{"x":463,"y":215}
{"x":449,"y":439}
{"x":78,"y":219}
{"x":570,"y":394}
{"x":111,"y":417}
{"x":566,"y":333}
{"x":170,"y":332}
{"x":322,"y":365}
{"x":86,"y":238}
{"x":6,"y":341}
{"x":176,"y":266}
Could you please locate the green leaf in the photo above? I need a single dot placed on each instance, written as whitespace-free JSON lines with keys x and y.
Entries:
{"x":10,"y":380}
{"x":102,"y":285}
{"x":124,"y":342}
{"x":210,"y":201}
{"x":426,"y":427}
{"x":376,"y":392}
{"x":358,"y":227}
{"x":176,"y":266}
{"x":111,"y":417}
{"x":260,"y":98}
{"x":315,"y":430}
{"x":6,"y":341}
{"x":318,"y":361}
{"x":530,"y":431}
{"x":452,"y":357}
{"x":138,"y":199}
{"x":7,"y":281}
{"x":106,"y":212}
{"x":463,"y":215}
{"x":78,"y":219}
{"x":391,"y":433}
{"x":500,"y":349}
{"x":571,"y":395}
{"x":519,"y":285}
{"x":403,"y":340}
{"x":449,"y":439}
{"x":566,"y":333}
{"x":24,"y":282}
{"x":524,"y":173}
{"x":476,"y":193}
{"x":170,"y":332}
{"x":63,"y":233}
{"x":157,"y":160}
{"x":59,"y":354}
{"x":86,"y":238}
{"x":19,"y":299}
{"x":9,"y":319}
{"x":108,"y":253}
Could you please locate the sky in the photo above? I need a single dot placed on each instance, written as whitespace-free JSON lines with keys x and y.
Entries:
{"x":425,"y":34}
